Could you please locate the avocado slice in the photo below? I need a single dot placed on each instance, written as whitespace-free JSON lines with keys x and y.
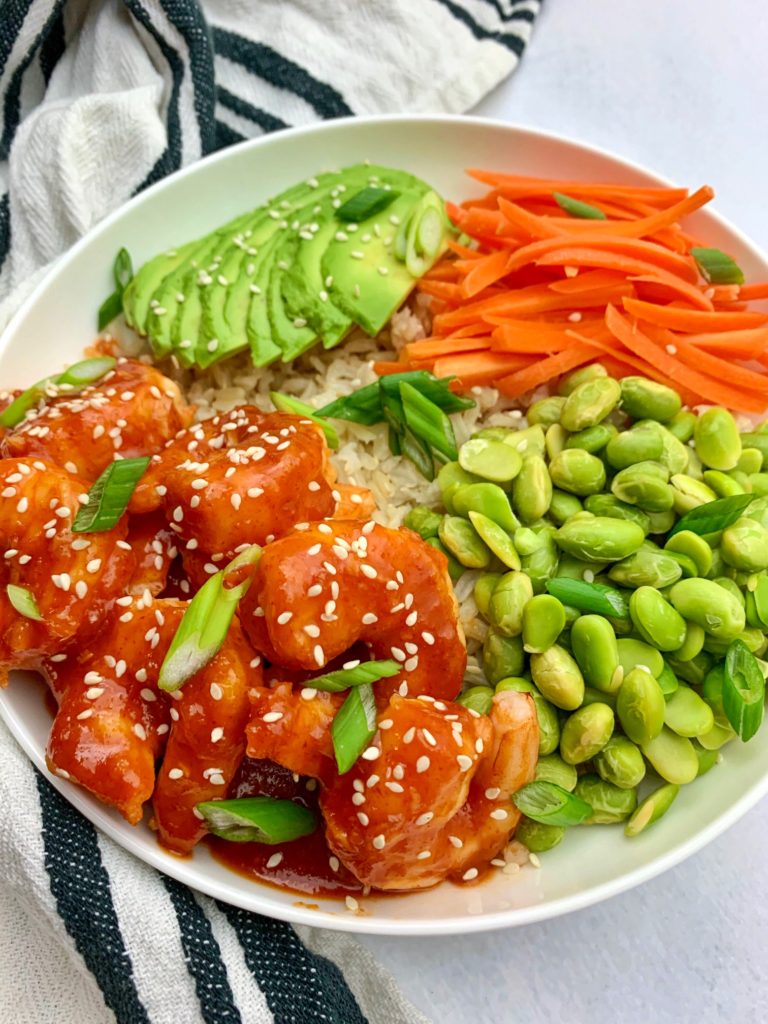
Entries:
{"x":142,"y":286}
{"x":367,"y":281}
{"x":290,"y":333}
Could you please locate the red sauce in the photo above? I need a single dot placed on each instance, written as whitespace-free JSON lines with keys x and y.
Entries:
{"x":305,"y":867}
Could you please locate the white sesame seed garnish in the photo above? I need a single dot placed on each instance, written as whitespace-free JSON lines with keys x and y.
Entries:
{"x":499,"y":814}
{"x":409,"y":735}
{"x":308,"y":693}
{"x":140,"y":731}
{"x":379,"y":842}
{"x":429,"y":737}
{"x":319,"y":655}
{"x":85,"y":714}
{"x":533,"y":860}
{"x":93,"y":692}
{"x":175,"y":773}
{"x":422,"y":764}
{"x":399,"y":772}
{"x":423,"y":855}
{"x":315,"y":549}
{"x":464,"y":762}
{"x":350,"y":901}
{"x":174,"y":714}
{"x":275,"y":860}
{"x":312,"y":630}
{"x":216,"y":692}
{"x":395,"y":787}
{"x":272,"y":716}
{"x":369,"y":618}
{"x":81,"y":589}
{"x":492,"y":793}
{"x":411,"y":619}
{"x":425,"y":818}
{"x":368,"y":570}
{"x":411,"y":664}
{"x":455,"y":841}
{"x":370,"y":753}
{"x":469,"y":874}
{"x":284,"y":617}
{"x":479,"y":745}
{"x":363,"y":818}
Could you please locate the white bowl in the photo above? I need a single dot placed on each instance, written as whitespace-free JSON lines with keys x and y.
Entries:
{"x":57,"y":322}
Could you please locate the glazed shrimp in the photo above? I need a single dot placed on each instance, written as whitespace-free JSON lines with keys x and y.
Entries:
{"x":113,"y":723}
{"x":131,"y":411}
{"x":241,"y":478}
{"x":430,"y":798}
{"x":322,"y":588}
{"x":74,"y":578}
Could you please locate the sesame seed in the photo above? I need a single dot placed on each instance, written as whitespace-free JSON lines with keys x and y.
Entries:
{"x":369,"y":618}
{"x":319,"y":654}
{"x":386,"y":723}
{"x":93,"y":566}
{"x":499,"y":814}
{"x":492,"y":793}
{"x":469,"y":874}
{"x":216,"y":691}
{"x":412,"y":619}
{"x":174,"y":714}
{"x":368,"y":570}
{"x":308,"y":693}
{"x":395,"y":787}
{"x":140,"y":731}
{"x":275,"y":860}
{"x":315,"y":549}
{"x":23,"y":505}
{"x":370,"y":753}
{"x":81,"y":589}
{"x":423,"y":855}
{"x":313,"y":485}
{"x":455,"y":841}
{"x":312,"y":630}
{"x":533,"y":860}
{"x":272,"y":716}
{"x":146,"y":694}
{"x":397,"y":654}
{"x":93,"y":692}
{"x":399,"y":771}
{"x":284,"y":617}
{"x":422,"y":764}
{"x":363,"y":818}
{"x":255,"y":492}
{"x":411,"y":664}
{"x":85,"y":714}
{"x":429,"y":737}
{"x":464,"y":762}
{"x":199,"y":484}
{"x":350,"y":901}
{"x":409,"y":736}
{"x":175,"y":773}
{"x":379,"y":842}
{"x":424,"y":819}
{"x":479,"y":745}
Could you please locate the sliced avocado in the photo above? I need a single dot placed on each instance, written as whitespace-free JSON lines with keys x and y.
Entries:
{"x":185,"y":326}
{"x":367,"y":281}
{"x":264,"y":350}
{"x":290,"y":333}
{"x":142,"y":286}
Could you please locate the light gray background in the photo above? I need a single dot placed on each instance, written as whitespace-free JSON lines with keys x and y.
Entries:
{"x":682,"y":87}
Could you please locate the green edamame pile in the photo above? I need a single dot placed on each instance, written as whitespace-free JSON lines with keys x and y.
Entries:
{"x":620,"y":549}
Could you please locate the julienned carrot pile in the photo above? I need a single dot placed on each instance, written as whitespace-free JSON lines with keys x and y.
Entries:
{"x":552,"y":275}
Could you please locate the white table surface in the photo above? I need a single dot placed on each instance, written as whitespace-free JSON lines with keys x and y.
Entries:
{"x":680,"y":86}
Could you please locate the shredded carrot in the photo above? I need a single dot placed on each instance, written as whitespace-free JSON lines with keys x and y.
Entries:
{"x":479,"y":367}
{"x":585,"y":282}
{"x":433,"y":348}
{"x":746,"y":344}
{"x":518,"y":187}
{"x":692,"y":320}
{"x":759,"y":290}
{"x":485,"y":272}
{"x":545,"y":370}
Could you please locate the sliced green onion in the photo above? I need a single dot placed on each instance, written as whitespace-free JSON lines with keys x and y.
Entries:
{"x":79,"y":375}
{"x":429,"y":232}
{"x":427,"y":421}
{"x":550,"y":804}
{"x":346,"y":678}
{"x":110,"y":309}
{"x":23,"y":601}
{"x":717,"y":267}
{"x":122,"y":270}
{"x":366,"y":203}
{"x":400,"y":245}
{"x":393,"y":440}
{"x":109,"y":496}
{"x":205,"y":624}
{"x":365,"y":406}
{"x":743,"y":690}
{"x":713,"y":516}
{"x":354,"y":726}
{"x":112,"y":306}
{"x":419,"y":453}
{"x":589,"y":597}
{"x":287,"y":403}
{"x":576,"y":208}
{"x":257,"y":819}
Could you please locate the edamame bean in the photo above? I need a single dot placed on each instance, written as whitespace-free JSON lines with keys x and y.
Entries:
{"x":656,"y":620}
{"x":450,"y":477}
{"x":732,"y":587}
{"x":668,"y":681}
{"x":423,"y":520}
{"x":585,"y":733}
{"x":553,"y":768}
{"x":455,"y":569}
{"x":646,"y":399}
{"x":596,"y":651}
{"x":651,"y":809}
{"x":496,"y":539}
{"x":758,"y":511}
{"x":640,"y":707}
{"x":742,"y":479}
{"x":520,"y":684}
{"x":592,"y":439}
{"x":577,"y":472}
{"x":484,"y":588}
{"x":541,"y":563}
{"x":744,"y":545}
{"x":571,"y":381}
{"x":647,"y":567}
{"x":489,"y":499}
{"x":640,"y":444}
{"x":674,"y":454}
{"x":555,"y":440}
{"x":490,"y":460}
{"x":692,"y":671}
{"x":638,"y":654}
{"x":707,"y":759}
{"x":682,"y":426}
{"x":507,"y":603}
{"x":529,"y":441}
{"x":717,"y":439}
{"x":756,"y":439}
{"x":688,"y":493}
{"x":502,"y":656}
{"x":593,"y":696}
{"x":644,"y":484}
{"x":599,"y":539}
{"x":661,"y":522}
{"x":532,"y":489}
{"x":621,"y":763}
{"x":589,"y":403}
{"x":687,"y":565}
{"x":717,"y":612}
{"x":672,"y":756}
{"x":609,"y":506}
{"x":538,"y":837}
{"x":688,"y":543}
{"x":563,"y":506}
{"x":759,"y":484}
{"x":558,"y":677}
{"x":464,"y":543}
{"x":750,"y":461}
{"x":478,"y":698}
{"x":693,"y":643}
{"x":609,"y":803}
{"x":546,"y":411}
{"x":543,"y":622}
{"x":687,"y":714}
{"x":723,"y":484}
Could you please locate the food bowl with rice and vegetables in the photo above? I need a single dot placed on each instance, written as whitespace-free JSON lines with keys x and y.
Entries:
{"x":386,"y":543}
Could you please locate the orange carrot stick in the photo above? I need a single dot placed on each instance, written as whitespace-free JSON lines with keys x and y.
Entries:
{"x":713,"y":365}
{"x":484,"y":273}
{"x":516,"y":186}
{"x":433,"y":348}
{"x":545,"y":370}
{"x":692,"y":320}
{"x":758,"y":290}
{"x":739,"y":344}
{"x":631,"y":248}
{"x":479,"y":367}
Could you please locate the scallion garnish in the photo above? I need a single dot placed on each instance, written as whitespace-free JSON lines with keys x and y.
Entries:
{"x":287,"y":403}
{"x":346,"y":678}
{"x":23,"y":601}
{"x":112,"y":306}
{"x":713,"y":516}
{"x":576,"y":208}
{"x":354,"y":726}
{"x":589,"y":597}
{"x":743,"y":690}
{"x":550,"y":804}
{"x":717,"y":267}
{"x":257,"y":819}
{"x":79,"y":375}
{"x":365,"y":203}
{"x":206,"y":622}
{"x":109,"y":496}
{"x":365,"y":405}
{"x":427,"y":421}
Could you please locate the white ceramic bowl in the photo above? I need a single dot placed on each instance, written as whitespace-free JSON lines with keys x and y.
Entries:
{"x":57,"y":322}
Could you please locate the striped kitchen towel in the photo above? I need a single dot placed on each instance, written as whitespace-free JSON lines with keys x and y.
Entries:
{"x":98,"y":99}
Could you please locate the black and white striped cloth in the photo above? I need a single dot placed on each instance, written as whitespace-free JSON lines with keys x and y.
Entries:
{"x":98,"y":99}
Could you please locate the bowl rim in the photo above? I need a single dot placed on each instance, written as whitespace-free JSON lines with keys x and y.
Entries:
{"x":184,"y":871}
